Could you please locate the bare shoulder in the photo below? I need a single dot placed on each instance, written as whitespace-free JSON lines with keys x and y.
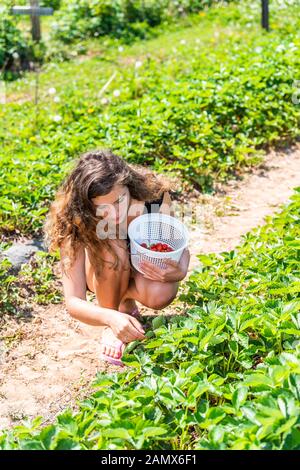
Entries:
{"x":80,"y":253}
{"x":167,"y":197}
{"x":167,"y":206}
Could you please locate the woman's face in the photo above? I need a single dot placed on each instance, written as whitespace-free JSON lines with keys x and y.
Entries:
{"x":113,"y":207}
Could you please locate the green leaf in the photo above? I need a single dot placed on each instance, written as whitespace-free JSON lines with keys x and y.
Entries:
{"x":239,"y":397}
{"x":256,"y":380}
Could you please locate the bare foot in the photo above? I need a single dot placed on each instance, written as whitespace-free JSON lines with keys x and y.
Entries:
{"x":111,"y":346}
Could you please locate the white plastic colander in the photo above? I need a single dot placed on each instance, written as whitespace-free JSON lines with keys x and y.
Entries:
{"x":154,"y":228}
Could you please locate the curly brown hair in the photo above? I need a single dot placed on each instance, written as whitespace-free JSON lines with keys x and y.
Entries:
{"x":72,"y":218}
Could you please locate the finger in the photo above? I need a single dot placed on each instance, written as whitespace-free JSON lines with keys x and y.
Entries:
{"x":146,"y":269}
{"x":137,"y":325}
{"x":136,"y":336}
{"x":133,"y":331}
{"x":151,"y":269}
{"x":156,"y":273}
{"x":171,"y":262}
{"x":152,"y":275}
{"x":186,"y":253}
{"x":129,"y":336}
{"x":148,"y":265}
{"x":167,"y":262}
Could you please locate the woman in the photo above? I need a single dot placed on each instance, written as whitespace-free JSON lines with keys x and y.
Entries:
{"x":88,"y":222}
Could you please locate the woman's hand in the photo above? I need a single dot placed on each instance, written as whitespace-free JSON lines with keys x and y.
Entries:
{"x":175,"y":271}
{"x":125,"y":327}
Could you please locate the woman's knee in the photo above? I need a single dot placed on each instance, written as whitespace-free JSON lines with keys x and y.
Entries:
{"x":158,"y":295}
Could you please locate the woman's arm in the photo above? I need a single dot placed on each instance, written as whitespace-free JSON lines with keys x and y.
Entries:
{"x":74,"y":287}
{"x":125,"y":327}
{"x":184,"y":263}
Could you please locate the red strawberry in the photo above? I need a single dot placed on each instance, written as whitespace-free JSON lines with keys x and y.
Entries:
{"x":158,"y":247}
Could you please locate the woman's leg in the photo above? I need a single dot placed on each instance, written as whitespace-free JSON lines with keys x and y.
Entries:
{"x":116,"y":289}
{"x":109,"y":289}
{"x":112,"y":284}
{"x":152,"y":294}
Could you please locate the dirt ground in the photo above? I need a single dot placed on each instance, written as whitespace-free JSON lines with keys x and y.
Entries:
{"x":49,"y":361}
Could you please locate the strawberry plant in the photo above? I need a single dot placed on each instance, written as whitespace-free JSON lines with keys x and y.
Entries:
{"x":225,"y":375}
{"x":126,"y":19}
{"x":201,"y":108}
